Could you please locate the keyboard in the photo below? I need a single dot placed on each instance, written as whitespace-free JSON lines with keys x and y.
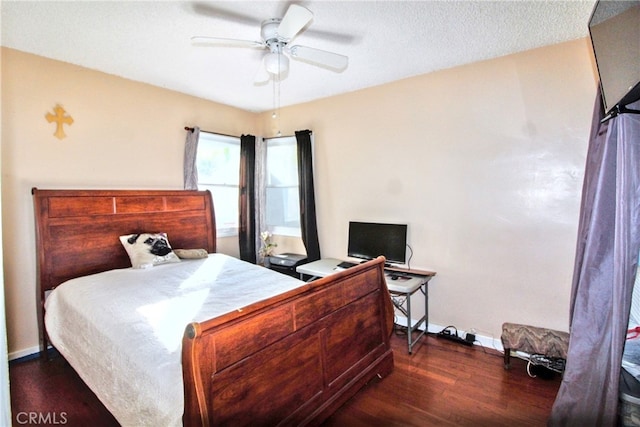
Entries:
{"x":346,"y":264}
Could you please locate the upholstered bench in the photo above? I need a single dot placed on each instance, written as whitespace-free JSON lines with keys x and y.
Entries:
{"x":533,"y":340}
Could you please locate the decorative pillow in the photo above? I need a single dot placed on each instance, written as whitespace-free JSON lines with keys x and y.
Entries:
{"x":146,"y":250}
{"x":191,"y":253}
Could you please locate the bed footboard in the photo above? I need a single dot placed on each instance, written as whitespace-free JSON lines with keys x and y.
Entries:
{"x":293,"y":359}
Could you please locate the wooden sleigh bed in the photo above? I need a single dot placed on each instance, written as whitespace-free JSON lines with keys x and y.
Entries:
{"x":290,"y":359}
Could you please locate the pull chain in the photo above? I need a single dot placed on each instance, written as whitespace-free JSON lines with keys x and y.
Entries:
{"x":276,"y":96}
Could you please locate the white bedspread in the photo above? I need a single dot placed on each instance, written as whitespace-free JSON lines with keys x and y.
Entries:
{"x":122,"y":330}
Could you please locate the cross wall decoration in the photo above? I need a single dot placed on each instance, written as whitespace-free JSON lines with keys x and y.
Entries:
{"x":61,"y":119}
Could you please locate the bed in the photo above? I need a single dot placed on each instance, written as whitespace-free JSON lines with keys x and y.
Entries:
{"x":252,"y":347}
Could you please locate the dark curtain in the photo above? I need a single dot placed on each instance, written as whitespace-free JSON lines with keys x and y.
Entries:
{"x":308,"y":224}
{"x":604,"y":272}
{"x":247,"y":199}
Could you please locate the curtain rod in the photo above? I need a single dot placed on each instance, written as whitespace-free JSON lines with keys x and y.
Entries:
{"x":234,"y":136}
{"x":208,"y":131}
{"x":617,"y":110}
{"x":286,"y":136}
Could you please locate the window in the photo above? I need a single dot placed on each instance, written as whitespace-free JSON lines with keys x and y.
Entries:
{"x":218,"y":164}
{"x":282,"y":199}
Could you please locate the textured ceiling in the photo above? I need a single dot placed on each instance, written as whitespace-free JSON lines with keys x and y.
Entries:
{"x":384,"y":40}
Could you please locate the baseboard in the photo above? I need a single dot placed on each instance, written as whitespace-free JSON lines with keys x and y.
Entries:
{"x":25,"y":353}
{"x":485,"y":341}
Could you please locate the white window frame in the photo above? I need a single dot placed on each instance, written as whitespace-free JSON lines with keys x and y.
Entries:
{"x":210,"y":137}
{"x":278,"y":229}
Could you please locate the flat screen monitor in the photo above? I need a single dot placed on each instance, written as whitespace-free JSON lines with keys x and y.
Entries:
{"x":368,"y":240}
{"x":614,"y":29}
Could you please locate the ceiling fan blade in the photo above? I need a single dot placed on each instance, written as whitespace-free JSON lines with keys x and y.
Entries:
{"x":333,"y":61}
{"x":220,"y":41}
{"x":293,"y":21}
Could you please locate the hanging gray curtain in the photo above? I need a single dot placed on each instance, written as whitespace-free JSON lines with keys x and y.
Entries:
{"x":308,"y":224}
{"x":261,"y":189}
{"x":190,"y":150}
{"x":604,"y":272}
{"x":247,"y":200}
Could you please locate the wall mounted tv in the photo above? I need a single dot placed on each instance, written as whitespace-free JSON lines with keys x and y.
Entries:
{"x":368,"y":240}
{"x":614,"y":29}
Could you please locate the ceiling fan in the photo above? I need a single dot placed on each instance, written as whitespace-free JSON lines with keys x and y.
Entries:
{"x":276,"y":35}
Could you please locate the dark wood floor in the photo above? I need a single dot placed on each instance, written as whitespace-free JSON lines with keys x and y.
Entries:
{"x":448,"y":384}
{"x":441,"y":383}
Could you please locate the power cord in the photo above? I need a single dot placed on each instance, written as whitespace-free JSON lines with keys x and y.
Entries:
{"x":446,"y":331}
{"x":398,"y":329}
{"x":410,"y":256}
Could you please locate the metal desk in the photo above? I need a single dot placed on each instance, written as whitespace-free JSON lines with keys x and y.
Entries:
{"x":401,"y":289}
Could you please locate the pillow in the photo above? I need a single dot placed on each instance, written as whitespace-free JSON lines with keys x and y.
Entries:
{"x":191,"y":253}
{"x":148,"y":249}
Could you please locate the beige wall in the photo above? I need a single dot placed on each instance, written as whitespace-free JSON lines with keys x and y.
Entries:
{"x":125,"y":135}
{"x":484,"y":162}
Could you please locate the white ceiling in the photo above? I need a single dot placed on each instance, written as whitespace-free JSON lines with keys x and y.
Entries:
{"x":384,"y":40}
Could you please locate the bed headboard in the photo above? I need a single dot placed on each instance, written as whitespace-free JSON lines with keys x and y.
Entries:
{"x":77,"y":231}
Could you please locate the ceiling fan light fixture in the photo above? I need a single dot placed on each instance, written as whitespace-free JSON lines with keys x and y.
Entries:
{"x":276,"y":34}
{"x":276,"y":63}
